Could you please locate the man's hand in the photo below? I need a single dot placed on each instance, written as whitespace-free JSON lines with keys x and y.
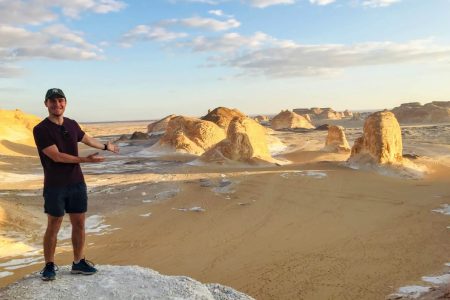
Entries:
{"x":94,"y":158}
{"x":112,"y":147}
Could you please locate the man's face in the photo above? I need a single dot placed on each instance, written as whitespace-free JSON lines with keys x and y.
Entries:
{"x":56,"y":106}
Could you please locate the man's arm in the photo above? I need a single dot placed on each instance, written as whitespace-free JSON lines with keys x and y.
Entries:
{"x":54,"y":154}
{"x":94,"y":143}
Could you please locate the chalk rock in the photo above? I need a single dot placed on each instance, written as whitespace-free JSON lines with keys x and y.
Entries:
{"x":118,"y":282}
{"x":287,"y":119}
{"x":16,"y":133}
{"x":336,"y":140}
{"x":262,"y":119}
{"x":137,"y":135}
{"x":381,"y":141}
{"x":159,"y":126}
{"x":222,"y":116}
{"x":414,"y":112}
{"x":246,"y":142}
{"x":347,"y":113}
{"x":191,"y":135}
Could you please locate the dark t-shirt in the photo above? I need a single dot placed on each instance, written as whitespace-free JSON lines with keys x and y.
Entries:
{"x":65,"y":137}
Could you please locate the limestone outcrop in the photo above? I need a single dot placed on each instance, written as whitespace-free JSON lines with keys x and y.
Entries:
{"x":262,"y":119}
{"x":414,"y":112}
{"x":137,"y":135}
{"x":159,"y":126}
{"x":222,"y":116}
{"x":336,"y":140}
{"x":287,"y":119}
{"x":381,"y":142}
{"x":246,"y":142}
{"x":16,"y":133}
{"x":191,"y":135}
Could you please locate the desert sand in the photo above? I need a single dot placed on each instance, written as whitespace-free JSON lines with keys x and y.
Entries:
{"x":311,"y":228}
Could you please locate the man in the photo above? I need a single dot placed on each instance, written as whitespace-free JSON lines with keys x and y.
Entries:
{"x":57,"y":138}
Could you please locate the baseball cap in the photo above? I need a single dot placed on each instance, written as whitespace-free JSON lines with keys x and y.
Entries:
{"x":54,"y":92}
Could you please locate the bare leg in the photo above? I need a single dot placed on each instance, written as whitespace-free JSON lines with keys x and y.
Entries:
{"x":78,"y":235}
{"x":50,"y":237}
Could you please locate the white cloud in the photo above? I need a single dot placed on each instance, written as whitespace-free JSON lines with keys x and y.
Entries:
{"x":150,"y":33}
{"x":321,"y":2}
{"x":311,"y":60}
{"x":379,"y":3}
{"x":35,"y":12}
{"x":216,"y":12}
{"x":228,"y":43}
{"x":266,"y":3}
{"x":203,"y":23}
{"x":52,"y":42}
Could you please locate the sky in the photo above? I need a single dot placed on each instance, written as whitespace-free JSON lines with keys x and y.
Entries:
{"x":142,"y":60}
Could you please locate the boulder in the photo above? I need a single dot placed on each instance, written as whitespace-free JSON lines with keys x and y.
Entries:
{"x":323,"y":127}
{"x":137,"y":135}
{"x":287,"y":119}
{"x":336,"y":140}
{"x":262,"y":119}
{"x":191,"y":135}
{"x":329,"y":114}
{"x":347,"y":113}
{"x":222,"y":116}
{"x":246,"y":142}
{"x":414,"y":112}
{"x":381,"y":142}
{"x":159,"y":126}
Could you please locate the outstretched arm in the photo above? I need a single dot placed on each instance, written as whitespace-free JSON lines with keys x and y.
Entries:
{"x":94,"y":143}
{"x":54,"y":154}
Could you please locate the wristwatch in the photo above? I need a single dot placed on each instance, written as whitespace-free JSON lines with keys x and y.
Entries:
{"x":106,"y":147}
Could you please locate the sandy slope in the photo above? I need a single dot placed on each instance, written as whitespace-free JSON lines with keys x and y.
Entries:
{"x":310,"y":230}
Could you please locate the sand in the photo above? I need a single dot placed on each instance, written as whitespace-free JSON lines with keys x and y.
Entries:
{"x":312,"y":229}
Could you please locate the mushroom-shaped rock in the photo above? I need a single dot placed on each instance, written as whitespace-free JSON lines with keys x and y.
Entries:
{"x":222,"y":116}
{"x":287,"y":119}
{"x":159,"y":126}
{"x":246,"y":142}
{"x":336,"y":140}
{"x":191,"y":135}
{"x":381,"y":141}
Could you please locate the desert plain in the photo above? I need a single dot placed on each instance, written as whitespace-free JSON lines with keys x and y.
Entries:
{"x":304,"y":224}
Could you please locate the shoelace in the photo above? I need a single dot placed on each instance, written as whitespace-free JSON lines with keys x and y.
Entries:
{"x":55,"y":266}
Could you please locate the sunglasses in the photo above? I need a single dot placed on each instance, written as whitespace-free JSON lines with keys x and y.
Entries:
{"x":65,"y":133}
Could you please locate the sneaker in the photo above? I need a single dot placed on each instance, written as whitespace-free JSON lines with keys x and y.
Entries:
{"x":49,"y":271}
{"x":84,"y":267}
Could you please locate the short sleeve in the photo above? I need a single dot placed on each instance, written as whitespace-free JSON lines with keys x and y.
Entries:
{"x":80,"y":132}
{"x":42,"y":137}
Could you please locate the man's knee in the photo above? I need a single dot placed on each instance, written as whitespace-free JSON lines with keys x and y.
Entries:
{"x":53,"y":224}
{"x":77,"y":221}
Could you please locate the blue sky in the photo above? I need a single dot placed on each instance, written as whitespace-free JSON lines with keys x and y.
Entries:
{"x":140,"y":60}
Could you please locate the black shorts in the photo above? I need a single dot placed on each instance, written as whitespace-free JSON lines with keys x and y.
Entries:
{"x":72,"y":199}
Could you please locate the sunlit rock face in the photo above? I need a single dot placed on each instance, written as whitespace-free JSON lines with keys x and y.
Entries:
{"x":414,"y":112}
{"x":161,"y":125}
{"x":336,"y":140}
{"x":191,"y":135}
{"x":381,"y":141}
{"x":287,"y":119}
{"x":222,"y":116}
{"x":16,"y":133}
{"x":246,"y":142}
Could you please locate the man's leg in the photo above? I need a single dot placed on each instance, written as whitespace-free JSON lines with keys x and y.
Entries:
{"x":78,"y":235}
{"x":50,"y":237}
